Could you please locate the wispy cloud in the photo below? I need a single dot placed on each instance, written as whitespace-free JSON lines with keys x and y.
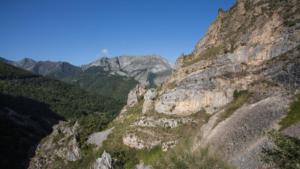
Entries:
{"x":104,"y":52}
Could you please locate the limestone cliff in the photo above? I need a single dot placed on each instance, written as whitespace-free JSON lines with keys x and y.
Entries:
{"x":244,"y":74}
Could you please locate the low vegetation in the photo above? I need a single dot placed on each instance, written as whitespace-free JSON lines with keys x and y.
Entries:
{"x":182,"y":157}
{"x":171,"y":85}
{"x":207,"y":54}
{"x":293,"y":115}
{"x":91,"y":123}
{"x":127,"y":157}
{"x":239,"y":99}
{"x":285,"y":153}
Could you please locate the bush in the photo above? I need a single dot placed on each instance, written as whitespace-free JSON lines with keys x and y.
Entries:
{"x":293,"y":115}
{"x":285,"y":153}
{"x":183,"y":158}
{"x":206,"y":54}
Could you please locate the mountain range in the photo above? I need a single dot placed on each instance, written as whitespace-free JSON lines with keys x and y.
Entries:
{"x":112,"y":77}
{"x":231,"y":103}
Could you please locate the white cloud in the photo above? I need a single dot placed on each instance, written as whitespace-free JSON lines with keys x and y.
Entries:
{"x":104,"y":52}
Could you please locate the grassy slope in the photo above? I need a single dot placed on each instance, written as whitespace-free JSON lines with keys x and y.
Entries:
{"x":293,"y":115}
{"x":239,"y":99}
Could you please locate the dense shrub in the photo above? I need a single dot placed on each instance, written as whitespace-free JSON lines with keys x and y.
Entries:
{"x":285,"y":153}
{"x":293,"y":116}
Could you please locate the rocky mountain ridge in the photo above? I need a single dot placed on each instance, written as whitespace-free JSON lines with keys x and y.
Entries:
{"x":110,"y":77}
{"x":148,"y":70}
{"x":59,"y":70}
{"x":241,"y":82}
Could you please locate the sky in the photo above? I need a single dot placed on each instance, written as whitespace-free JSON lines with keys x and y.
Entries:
{"x":80,"y":31}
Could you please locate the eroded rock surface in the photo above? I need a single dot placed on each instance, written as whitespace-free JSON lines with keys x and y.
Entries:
{"x":148,"y":70}
{"x":149,"y":97}
{"x":62,"y":144}
{"x":105,"y":162}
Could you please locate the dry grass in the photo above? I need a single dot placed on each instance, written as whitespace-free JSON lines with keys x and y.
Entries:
{"x":239,"y":99}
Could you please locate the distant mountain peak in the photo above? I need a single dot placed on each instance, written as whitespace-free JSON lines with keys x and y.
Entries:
{"x":147,"y":69}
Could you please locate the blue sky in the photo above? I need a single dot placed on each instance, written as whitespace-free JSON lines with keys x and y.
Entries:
{"x":80,"y":31}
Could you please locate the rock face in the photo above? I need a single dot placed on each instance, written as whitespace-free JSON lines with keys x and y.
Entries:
{"x":62,"y":144}
{"x":253,"y":47}
{"x":161,"y":122}
{"x":135,"y":94}
{"x":105,"y":162}
{"x":134,"y":141}
{"x":133,"y":97}
{"x":149,"y":97}
{"x":148,"y":70}
{"x":206,"y":79}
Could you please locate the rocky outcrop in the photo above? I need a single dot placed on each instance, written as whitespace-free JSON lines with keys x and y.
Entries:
{"x":133,"y":98}
{"x":161,"y":122}
{"x":105,"y":162}
{"x":148,"y":70}
{"x":149,"y":97}
{"x":168,"y":145}
{"x":135,"y":95}
{"x":138,"y":142}
{"x":60,"y":144}
{"x":133,"y":141}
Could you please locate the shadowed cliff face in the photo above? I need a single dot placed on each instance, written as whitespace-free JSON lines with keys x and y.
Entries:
{"x":24,"y":123}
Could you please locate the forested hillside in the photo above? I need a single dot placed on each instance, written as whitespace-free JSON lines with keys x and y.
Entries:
{"x":30,"y":105}
{"x":101,"y":82}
